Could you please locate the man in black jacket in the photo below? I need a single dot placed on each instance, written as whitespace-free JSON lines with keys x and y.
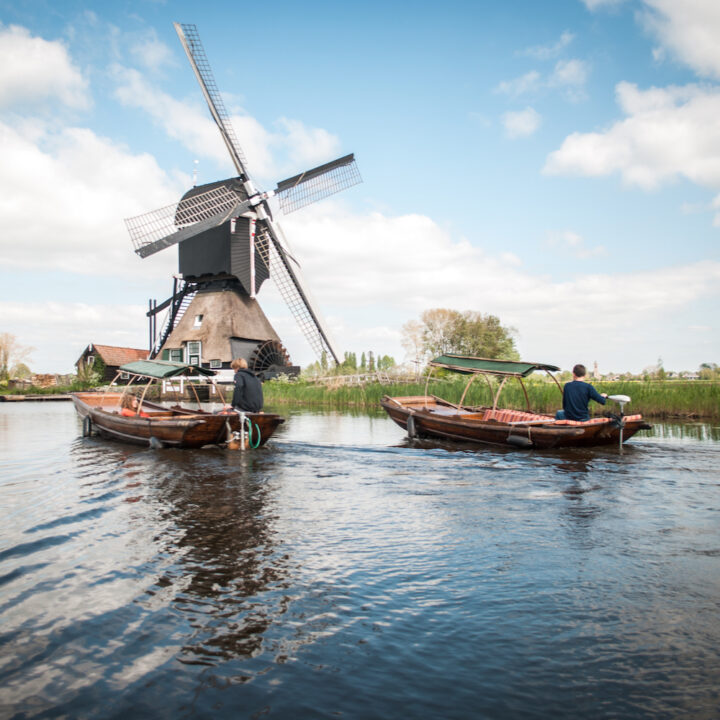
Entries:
{"x":248,"y":394}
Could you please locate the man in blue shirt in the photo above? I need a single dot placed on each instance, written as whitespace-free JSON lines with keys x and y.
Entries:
{"x":576,"y":395}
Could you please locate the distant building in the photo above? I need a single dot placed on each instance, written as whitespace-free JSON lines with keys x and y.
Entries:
{"x":112,"y":357}
{"x":596,"y":372}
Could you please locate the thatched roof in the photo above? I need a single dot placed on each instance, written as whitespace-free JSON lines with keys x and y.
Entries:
{"x":225,"y":314}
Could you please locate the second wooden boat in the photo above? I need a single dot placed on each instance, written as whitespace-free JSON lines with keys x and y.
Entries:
{"x":431,"y":416}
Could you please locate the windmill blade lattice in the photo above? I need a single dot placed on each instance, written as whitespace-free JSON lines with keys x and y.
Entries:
{"x":190,"y":40}
{"x":320,"y":182}
{"x":288,"y":283}
{"x":171,"y":224}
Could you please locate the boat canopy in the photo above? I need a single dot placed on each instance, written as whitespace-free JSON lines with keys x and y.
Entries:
{"x":162,"y":369}
{"x":472,"y":365}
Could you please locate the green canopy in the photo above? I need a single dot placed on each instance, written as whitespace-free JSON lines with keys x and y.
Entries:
{"x":466,"y":365}
{"x":162,"y":369}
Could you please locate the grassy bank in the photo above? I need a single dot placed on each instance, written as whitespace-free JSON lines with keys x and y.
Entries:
{"x":652,"y":399}
{"x":53,"y":390}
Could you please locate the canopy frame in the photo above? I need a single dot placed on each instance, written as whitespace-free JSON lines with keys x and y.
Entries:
{"x":156,"y":370}
{"x":474,"y":366}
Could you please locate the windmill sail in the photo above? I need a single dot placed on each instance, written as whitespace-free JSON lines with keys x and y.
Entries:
{"x":214,"y":252}
{"x":190,"y":40}
{"x":286,"y":275}
{"x":320,"y":182}
{"x":158,"y":229}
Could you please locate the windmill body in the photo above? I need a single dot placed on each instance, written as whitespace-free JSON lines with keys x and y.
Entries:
{"x":228,"y":245}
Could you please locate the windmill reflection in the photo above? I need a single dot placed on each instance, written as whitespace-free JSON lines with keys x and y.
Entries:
{"x":229,"y":580}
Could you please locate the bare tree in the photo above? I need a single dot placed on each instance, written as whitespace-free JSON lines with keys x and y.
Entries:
{"x":12,"y":355}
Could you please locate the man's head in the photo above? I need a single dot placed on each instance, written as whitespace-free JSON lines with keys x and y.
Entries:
{"x":579,"y":371}
{"x":239,"y":364}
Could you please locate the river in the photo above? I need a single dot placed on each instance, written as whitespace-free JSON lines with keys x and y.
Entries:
{"x":344,"y":572}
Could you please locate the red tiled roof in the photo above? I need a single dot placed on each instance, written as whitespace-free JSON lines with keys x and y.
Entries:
{"x":116,"y":356}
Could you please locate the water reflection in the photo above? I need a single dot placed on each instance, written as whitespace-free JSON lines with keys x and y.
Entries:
{"x":343,"y":571}
{"x":229,"y":578}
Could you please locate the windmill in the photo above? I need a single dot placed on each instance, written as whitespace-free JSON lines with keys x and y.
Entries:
{"x":228,"y":245}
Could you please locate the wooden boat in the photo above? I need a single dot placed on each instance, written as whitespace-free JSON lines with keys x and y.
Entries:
{"x":431,"y":416}
{"x":160,"y":426}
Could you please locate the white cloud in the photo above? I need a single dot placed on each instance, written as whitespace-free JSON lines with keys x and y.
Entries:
{"x":521,"y":123}
{"x":423,"y":266}
{"x":688,"y":29}
{"x":293,"y":147}
{"x":305,"y":147}
{"x":150,"y":52}
{"x":667,"y":133}
{"x":593,"y":5}
{"x":546,"y":52}
{"x":72,"y":220}
{"x":189,"y":124}
{"x":573,"y":243}
{"x":59,"y":332}
{"x":568,"y":76}
{"x":530,"y":82}
{"x":34,"y":71}
{"x":370,"y":273}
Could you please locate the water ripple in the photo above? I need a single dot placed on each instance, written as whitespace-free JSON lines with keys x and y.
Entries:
{"x":363,"y":576}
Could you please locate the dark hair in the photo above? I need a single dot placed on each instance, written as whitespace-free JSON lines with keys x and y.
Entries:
{"x":579,"y":371}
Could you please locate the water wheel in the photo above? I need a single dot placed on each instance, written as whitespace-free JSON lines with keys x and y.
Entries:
{"x":269,"y":354}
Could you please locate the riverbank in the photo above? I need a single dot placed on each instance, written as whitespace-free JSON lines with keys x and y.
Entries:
{"x":670,"y":399}
{"x":662,"y":400}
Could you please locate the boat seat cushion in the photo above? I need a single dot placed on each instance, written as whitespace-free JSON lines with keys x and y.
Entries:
{"x":596,"y":421}
{"x":508,"y":416}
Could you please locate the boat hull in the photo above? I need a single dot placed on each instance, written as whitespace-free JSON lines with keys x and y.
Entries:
{"x":174,"y":427}
{"x":432,"y":417}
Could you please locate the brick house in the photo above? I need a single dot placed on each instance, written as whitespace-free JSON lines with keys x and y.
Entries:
{"x":113,"y":357}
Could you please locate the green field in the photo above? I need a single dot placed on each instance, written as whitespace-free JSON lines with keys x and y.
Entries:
{"x":669,"y":399}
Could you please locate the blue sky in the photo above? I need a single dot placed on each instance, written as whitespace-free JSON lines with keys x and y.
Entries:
{"x":556,"y":164}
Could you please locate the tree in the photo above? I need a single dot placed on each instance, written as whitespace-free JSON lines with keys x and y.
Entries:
{"x":660,"y":373}
{"x":385,"y":362}
{"x":708,"y":371}
{"x":20,"y":371}
{"x":438,"y":328}
{"x":12,"y":355}
{"x":483,"y":336}
{"x":443,"y":331}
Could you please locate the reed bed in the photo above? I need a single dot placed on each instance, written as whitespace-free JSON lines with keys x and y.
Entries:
{"x":653,"y":399}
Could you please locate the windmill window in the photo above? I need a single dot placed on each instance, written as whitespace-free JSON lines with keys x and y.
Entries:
{"x":176,"y":356}
{"x":193,"y":353}
{"x":198,"y":321}
{"x":216,"y":363}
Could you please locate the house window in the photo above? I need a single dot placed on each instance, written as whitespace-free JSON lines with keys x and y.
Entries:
{"x":193,"y":352}
{"x":216,"y":364}
{"x":124,"y":376}
{"x":176,"y":355}
{"x":198,"y":321}
{"x":90,"y":360}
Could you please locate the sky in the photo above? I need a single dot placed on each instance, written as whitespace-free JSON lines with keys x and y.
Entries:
{"x":555,"y":164}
